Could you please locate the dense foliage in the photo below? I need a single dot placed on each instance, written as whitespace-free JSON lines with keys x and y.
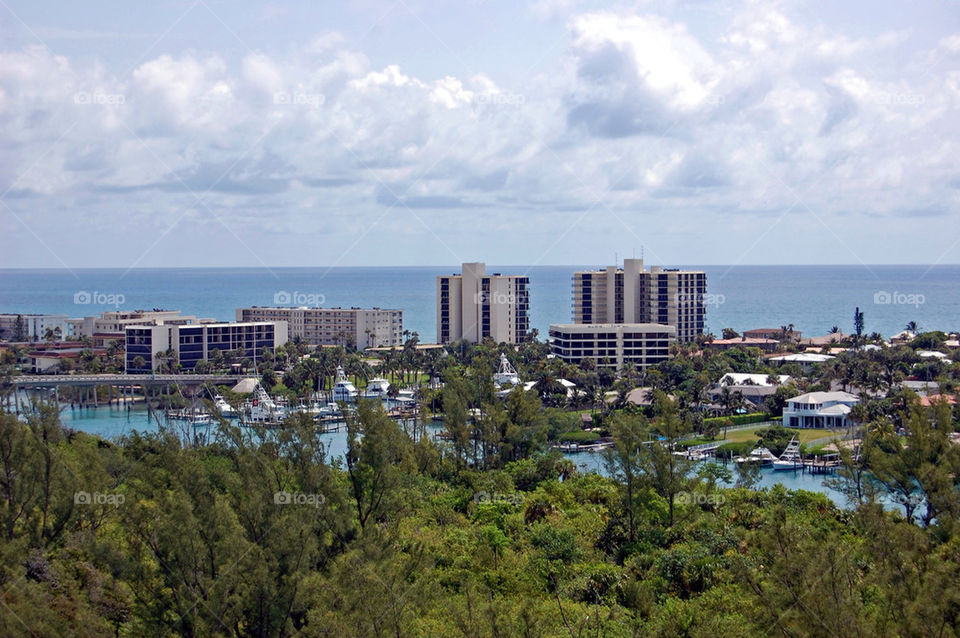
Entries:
{"x":260,"y":534}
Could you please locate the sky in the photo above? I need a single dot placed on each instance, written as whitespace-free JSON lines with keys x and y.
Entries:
{"x":419,"y":132}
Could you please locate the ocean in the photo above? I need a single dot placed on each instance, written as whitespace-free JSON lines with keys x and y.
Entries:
{"x":812,"y":298}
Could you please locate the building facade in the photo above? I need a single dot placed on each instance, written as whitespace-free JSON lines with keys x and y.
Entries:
{"x":632,"y":294}
{"x":32,"y":327}
{"x":359,"y":327}
{"x":613,"y":344}
{"x":474,"y":306}
{"x":194,"y":343}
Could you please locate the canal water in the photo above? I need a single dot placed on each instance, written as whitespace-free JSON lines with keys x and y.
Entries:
{"x":115,"y":421}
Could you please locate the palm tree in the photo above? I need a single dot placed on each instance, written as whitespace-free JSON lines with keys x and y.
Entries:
{"x":912,"y":326}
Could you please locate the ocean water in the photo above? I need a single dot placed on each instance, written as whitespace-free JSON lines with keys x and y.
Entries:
{"x":812,"y":298}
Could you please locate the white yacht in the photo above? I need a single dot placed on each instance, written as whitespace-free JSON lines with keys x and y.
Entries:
{"x":263,"y":409}
{"x":790,"y":459}
{"x":343,"y":390}
{"x":506,"y":375}
{"x":377,"y":388}
{"x":759,"y":454}
{"x":226,"y":410}
{"x":193,"y":417}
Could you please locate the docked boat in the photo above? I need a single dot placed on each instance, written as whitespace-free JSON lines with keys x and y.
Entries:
{"x":692,"y":455}
{"x":226,"y":410}
{"x":193,"y":417}
{"x":377,"y":388}
{"x":263,"y":409}
{"x":759,"y":454}
{"x":343,"y":390}
{"x":506,"y":374}
{"x":790,"y":459}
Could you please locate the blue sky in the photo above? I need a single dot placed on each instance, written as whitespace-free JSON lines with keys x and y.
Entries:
{"x":418,"y":132}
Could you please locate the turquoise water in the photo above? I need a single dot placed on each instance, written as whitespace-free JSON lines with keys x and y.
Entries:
{"x":791,"y":480}
{"x":813,"y":298}
{"x":112,"y":422}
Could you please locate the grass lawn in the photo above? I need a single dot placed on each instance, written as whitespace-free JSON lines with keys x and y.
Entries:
{"x":750,"y":434}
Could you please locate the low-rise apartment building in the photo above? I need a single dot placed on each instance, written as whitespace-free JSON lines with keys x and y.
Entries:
{"x":358,"y":327}
{"x":32,"y":327}
{"x":194,"y":343}
{"x":116,"y":321}
{"x":613,"y":344}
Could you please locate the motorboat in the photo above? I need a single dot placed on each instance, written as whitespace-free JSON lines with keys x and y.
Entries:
{"x":225,"y":409}
{"x":377,"y":388}
{"x":506,"y":374}
{"x":790,"y":459}
{"x":759,"y":454}
{"x":343,"y":390}
{"x":263,"y":409}
{"x":193,"y":417}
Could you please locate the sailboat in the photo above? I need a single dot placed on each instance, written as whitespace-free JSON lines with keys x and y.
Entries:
{"x":790,"y":459}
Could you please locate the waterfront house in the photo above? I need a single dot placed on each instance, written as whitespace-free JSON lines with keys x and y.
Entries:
{"x":819,"y":410}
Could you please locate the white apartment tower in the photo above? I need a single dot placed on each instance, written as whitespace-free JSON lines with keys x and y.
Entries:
{"x":474,"y":306}
{"x":633,"y":295}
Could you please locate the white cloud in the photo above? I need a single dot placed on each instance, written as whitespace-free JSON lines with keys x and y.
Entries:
{"x":644,"y":118}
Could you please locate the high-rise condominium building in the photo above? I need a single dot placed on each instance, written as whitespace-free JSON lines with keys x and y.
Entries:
{"x":359,"y":327}
{"x":633,"y":295}
{"x":474,"y":306}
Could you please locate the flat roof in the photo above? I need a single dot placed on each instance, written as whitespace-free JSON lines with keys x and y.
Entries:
{"x":318,"y":308}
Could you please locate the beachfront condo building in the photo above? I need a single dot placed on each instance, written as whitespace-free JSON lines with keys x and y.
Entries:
{"x":194,"y":343}
{"x":356,"y":327}
{"x":32,"y":327}
{"x":474,"y":306}
{"x":631,"y":294}
{"x":115,"y":321}
{"x":613,"y":344}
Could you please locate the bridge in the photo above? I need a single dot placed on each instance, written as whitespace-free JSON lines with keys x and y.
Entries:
{"x":126,"y":384}
{"x":37,"y":381}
